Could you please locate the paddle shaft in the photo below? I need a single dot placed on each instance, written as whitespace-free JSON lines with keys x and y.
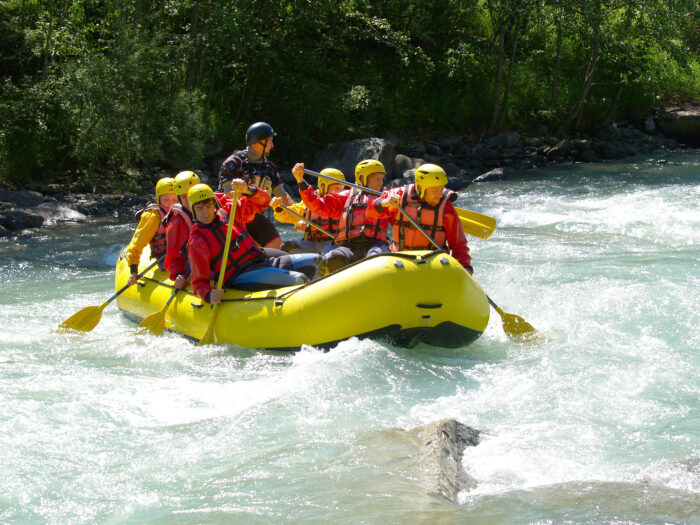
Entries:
{"x":170,"y":300}
{"x":307,"y":221}
{"x":209,"y":335}
{"x":224,"y":259}
{"x":119,"y":292}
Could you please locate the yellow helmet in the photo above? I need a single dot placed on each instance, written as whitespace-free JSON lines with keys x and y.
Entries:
{"x":184,"y":181}
{"x":429,"y":176}
{"x":365,"y":168}
{"x":164,"y":186}
{"x":323,"y":182}
{"x":199,"y":193}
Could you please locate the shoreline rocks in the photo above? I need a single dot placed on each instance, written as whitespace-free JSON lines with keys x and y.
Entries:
{"x":465,"y":160}
{"x":22,"y":209}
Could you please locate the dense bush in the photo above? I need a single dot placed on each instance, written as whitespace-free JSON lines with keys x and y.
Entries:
{"x":98,"y":87}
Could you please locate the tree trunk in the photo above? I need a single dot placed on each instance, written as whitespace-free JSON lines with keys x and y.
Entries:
{"x":613,"y":109}
{"x":192,"y":59}
{"x":588,"y":81}
{"x":511,"y":67}
{"x":47,"y":45}
{"x":499,"y":75}
{"x":557,"y":65}
{"x":249,"y":91}
{"x":203,"y":48}
{"x":210,"y":92}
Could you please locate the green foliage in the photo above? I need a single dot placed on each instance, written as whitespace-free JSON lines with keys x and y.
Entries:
{"x":101,"y":87}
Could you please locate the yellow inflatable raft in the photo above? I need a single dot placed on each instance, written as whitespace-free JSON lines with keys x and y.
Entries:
{"x":405,"y":298}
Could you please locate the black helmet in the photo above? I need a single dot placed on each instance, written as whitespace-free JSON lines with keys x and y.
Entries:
{"x":258,"y":132}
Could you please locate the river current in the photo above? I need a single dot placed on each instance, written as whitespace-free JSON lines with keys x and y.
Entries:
{"x":598,"y":423}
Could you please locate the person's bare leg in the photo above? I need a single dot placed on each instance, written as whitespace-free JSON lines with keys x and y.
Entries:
{"x":274,"y":243}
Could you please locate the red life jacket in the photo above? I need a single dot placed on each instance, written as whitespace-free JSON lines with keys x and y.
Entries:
{"x":178,"y":209}
{"x":353,"y":223}
{"x":158,"y":241}
{"x":328,"y":223}
{"x":242,"y":252}
{"x":406,"y":237}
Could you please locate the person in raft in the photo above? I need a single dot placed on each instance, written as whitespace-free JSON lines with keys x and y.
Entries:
{"x":150,"y":229}
{"x":429,"y":203}
{"x":253,"y":166}
{"x":247,"y":266}
{"x":178,"y":224}
{"x":359,"y":236}
{"x":314,"y":241}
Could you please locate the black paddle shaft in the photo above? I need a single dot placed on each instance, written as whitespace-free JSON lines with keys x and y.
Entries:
{"x":138,"y":277}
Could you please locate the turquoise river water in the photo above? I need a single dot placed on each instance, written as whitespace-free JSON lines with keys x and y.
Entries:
{"x":600,"y":423}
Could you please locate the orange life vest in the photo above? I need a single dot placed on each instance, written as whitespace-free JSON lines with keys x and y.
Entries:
{"x":158,"y":241}
{"x":353,"y":223}
{"x":327,"y":223}
{"x":242,"y":252}
{"x":406,"y":237}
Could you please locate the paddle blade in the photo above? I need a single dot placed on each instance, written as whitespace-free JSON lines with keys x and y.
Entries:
{"x":516,"y":327}
{"x":154,"y":323}
{"x":84,"y":320}
{"x":476,"y":224}
{"x":209,"y":336}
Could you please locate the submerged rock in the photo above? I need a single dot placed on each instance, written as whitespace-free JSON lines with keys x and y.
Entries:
{"x":423,"y":465}
{"x":444,"y":442}
{"x":497,"y":174}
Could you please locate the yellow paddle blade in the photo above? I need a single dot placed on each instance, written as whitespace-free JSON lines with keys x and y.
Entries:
{"x":516,"y":327}
{"x":476,"y":224}
{"x":154,"y":323}
{"x":209,"y":337}
{"x":84,"y":320}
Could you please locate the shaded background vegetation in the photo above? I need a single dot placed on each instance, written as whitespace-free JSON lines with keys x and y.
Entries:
{"x":100,"y":86}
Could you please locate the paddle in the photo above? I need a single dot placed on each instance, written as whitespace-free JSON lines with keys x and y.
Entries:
{"x":476,"y":224}
{"x":514,"y":326}
{"x":87,"y":318}
{"x":155,"y":323}
{"x":307,"y":221}
{"x":209,"y":336}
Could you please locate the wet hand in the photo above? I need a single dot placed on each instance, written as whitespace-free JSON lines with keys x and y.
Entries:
{"x":275,"y":202}
{"x":298,"y":172}
{"x":215,"y":295}
{"x":390,"y":202}
{"x":132,"y":279}
{"x":180,"y":282}
{"x":240,"y":186}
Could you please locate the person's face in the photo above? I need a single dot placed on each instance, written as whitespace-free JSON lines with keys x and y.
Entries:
{"x":335,"y":188}
{"x":205,"y":211}
{"x":264,"y":147}
{"x":433,"y":195}
{"x":167,"y":200}
{"x":375,"y":181}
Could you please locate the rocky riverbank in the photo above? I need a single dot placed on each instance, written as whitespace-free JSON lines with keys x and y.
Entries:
{"x":465,"y":159}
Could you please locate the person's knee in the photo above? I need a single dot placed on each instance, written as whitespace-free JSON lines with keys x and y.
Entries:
{"x":289,"y":247}
{"x":335,"y":261}
{"x":274,"y":243}
{"x":307,"y":264}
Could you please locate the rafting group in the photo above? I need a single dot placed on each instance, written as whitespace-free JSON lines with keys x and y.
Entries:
{"x":189,"y":222}
{"x":406,"y":245}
